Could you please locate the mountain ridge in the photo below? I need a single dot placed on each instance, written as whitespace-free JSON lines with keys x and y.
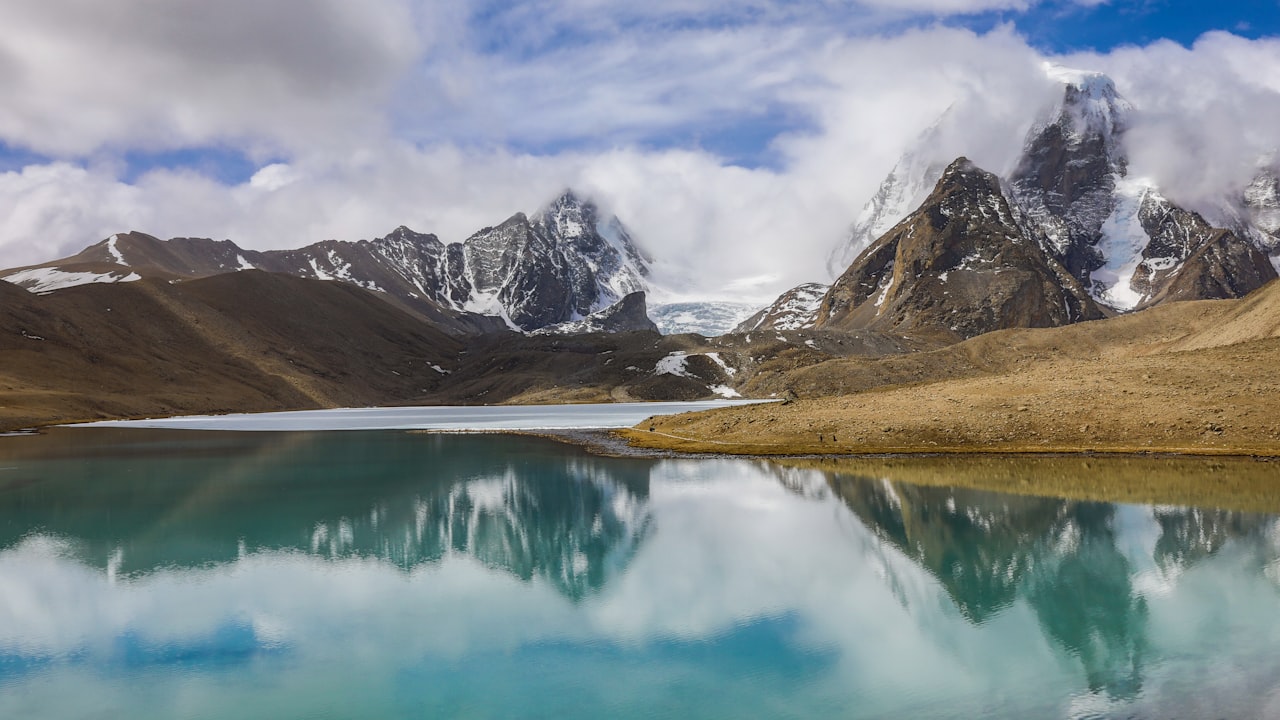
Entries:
{"x":562,"y":265}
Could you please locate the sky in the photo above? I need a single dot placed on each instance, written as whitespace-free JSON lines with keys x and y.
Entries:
{"x":737,"y":139}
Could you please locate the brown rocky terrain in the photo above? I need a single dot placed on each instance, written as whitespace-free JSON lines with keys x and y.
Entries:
{"x":248,"y":341}
{"x":1193,"y":377}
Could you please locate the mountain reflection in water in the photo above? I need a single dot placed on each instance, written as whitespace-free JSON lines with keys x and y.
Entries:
{"x":404,"y":499}
{"x":389,"y":574}
{"x":1064,"y":557}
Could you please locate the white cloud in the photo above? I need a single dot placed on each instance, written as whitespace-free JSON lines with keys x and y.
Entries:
{"x":77,"y":76}
{"x":1207,"y":113}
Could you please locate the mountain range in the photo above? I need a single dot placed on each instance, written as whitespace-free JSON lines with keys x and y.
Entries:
{"x":551,"y":307}
{"x":561,"y":265}
{"x":1110,"y":242}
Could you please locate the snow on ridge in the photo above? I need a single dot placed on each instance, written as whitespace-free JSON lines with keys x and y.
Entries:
{"x":42,"y":281}
{"x":116,"y":255}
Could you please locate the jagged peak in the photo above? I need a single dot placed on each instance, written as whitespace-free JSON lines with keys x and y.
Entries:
{"x":961,"y":165}
{"x":964,"y":173}
{"x":404,"y":232}
{"x":1090,"y":104}
{"x":567,"y":200}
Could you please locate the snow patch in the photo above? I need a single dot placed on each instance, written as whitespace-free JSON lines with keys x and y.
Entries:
{"x":715,"y":358}
{"x":674,"y":364}
{"x":885,"y":292}
{"x":46,"y":280}
{"x":1123,"y":240}
{"x":115,"y":251}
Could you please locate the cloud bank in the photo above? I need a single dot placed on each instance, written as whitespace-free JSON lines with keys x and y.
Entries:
{"x":738,"y":139}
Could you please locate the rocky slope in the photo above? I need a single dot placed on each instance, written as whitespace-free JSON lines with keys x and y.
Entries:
{"x":796,"y":309}
{"x":1188,"y":259}
{"x":1192,"y":377}
{"x":957,"y":267}
{"x":245,"y":341}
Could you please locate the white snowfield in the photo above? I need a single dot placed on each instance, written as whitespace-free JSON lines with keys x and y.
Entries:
{"x":487,"y":418}
{"x":46,"y":280}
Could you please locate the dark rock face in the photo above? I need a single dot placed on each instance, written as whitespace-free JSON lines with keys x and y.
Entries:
{"x":630,"y":314}
{"x":517,"y":265}
{"x":958,"y":267}
{"x":1188,"y":259}
{"x":1065,"y":181}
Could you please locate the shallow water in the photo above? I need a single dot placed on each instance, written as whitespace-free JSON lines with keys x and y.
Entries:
{"x":163,"y":574}
{"x":441,"y":417}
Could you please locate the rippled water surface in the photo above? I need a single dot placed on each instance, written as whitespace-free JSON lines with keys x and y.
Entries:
{"x":174,"y":574}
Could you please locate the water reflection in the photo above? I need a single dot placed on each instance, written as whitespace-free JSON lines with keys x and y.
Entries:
{"x":1075,"y":563}
{"x":131,"y":508}
{"x":398,"y":575}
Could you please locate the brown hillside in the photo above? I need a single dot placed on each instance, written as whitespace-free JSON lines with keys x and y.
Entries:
{"x":241,"y":342}
{"x":1185,"y":377}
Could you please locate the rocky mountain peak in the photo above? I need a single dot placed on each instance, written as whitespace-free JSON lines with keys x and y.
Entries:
{"x":1064,"y":184}
{"x":1189,"y":259}
{"x":1262,"y":202}
{"x":957,"y":267}
{"x":1091,"y":105}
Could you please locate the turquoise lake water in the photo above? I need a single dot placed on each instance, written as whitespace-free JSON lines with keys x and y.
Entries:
{"x":179,"y":574}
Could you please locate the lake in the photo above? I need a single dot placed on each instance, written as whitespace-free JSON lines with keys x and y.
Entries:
{"x":382,"y":574}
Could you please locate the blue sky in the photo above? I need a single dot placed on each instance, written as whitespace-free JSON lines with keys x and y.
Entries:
{"x":715,"y":128}
{"x":1068,"y":27}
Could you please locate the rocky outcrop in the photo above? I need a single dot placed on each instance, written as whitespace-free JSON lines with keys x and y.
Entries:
{"x":796,"y":309}
{"x":957,"y":267}
{"x":627,"y":315}
{"x":1188,"y":259}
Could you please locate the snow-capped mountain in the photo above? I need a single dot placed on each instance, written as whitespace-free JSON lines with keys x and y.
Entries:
{"x":563,"y":265}
{"x":796,"y":309}
{"x":1262,"y":200}
{"x":902,"y":191}
{"x":1116,"y":235}
{"x":1255,"y":212}
{"x":957,"y":267}
{"x":1065,"y":182}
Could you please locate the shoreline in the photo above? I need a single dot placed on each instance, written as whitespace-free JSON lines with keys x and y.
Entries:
{"x":1222,"y":479}
{"x":1227,"y":481}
